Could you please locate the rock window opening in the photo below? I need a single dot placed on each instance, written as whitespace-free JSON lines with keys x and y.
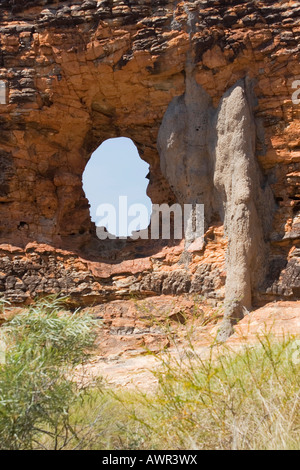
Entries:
{"x":115,"y":184}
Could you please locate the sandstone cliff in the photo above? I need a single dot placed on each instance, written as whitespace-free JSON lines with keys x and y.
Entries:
{"x":78,"y":73}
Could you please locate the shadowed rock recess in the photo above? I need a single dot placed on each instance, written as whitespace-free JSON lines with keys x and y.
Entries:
{"x":204,"y":89}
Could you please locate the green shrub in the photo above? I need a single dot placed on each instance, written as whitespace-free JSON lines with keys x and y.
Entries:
{"x":43,"y":345}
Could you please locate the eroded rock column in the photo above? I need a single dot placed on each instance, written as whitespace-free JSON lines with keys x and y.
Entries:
{"x":208,"y":157}
{"x":243,"y":204}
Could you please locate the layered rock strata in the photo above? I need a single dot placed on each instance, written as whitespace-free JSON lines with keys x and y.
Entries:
{"x":78,"y":73}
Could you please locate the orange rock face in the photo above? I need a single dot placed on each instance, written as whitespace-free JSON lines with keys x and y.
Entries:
{"x":78,"y":73}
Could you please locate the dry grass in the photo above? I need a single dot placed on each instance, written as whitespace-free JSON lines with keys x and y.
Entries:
{"x":247,"y":399}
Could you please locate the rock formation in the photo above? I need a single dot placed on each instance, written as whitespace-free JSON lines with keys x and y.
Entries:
{"x":204,"y":89}
{"x":208,"y":156}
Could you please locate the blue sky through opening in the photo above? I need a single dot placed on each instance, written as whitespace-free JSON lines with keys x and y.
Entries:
{"x":116,"y":169}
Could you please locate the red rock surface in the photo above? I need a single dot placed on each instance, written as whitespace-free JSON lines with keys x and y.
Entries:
{"x":124,"y":359}
{"x":79,"y":73}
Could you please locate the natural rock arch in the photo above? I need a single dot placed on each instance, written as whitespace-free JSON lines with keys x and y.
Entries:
{"x":96,"y":70}
{"x":115,"y":182}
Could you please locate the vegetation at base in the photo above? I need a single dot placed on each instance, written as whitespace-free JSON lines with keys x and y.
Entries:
{"x":42,"y":346}
{"x":247,"y":398}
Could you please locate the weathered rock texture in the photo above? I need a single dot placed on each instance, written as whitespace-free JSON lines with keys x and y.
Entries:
{"x":208,"y":156}
{"x":78,"y":73}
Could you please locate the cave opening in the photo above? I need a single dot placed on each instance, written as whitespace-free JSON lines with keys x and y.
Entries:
{"x":115,"y":183}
